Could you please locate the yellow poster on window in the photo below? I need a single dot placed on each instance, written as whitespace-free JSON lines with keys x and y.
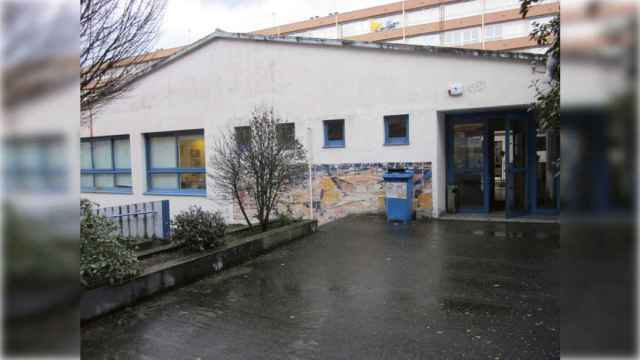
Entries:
{"x":375,"y":26}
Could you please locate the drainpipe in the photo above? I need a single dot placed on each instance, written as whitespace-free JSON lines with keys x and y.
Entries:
{"x":310,"y":174}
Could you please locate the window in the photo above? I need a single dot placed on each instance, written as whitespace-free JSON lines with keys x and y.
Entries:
{"x":423,"y":16}
{"x":493,"y":32}
{"x":462,"y":36}
{"x":34,"y":165}
{"x":462,"y":9}
{"x":333,"y":133}
{"x":105,"y":164}
{"x":396,"y":130}
{"x":286,"y":134}
{"x":243,"y":135}
{"x":176,"y":163}
{"x":355,"y":28}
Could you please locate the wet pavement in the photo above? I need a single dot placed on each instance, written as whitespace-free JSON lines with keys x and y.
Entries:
{"x":360,"y":289}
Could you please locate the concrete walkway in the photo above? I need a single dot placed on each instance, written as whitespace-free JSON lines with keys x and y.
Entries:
{"x":360,"y":289}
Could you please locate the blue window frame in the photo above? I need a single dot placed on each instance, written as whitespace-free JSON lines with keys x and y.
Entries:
{"x":176,"y":163}
{"x":105,"y":164}
{"x":396,"y":130}
{"x":334,"y":133}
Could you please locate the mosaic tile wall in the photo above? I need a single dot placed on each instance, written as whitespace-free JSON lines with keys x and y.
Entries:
{"x":343,"y":189}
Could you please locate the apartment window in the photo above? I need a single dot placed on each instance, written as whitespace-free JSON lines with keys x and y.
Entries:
{"x":430,"y":39}
{"x":423,"y":16}
{"x":176,"y":163}
{"x":462,"y":9}
{"x":396,"y":130}
{"x":462,"y":36}
{"x":493,"y":32}
{"x":355,"y":28}
{"x":493,"y":5}
{"x":243,"y":135}
{"x":333,"y":133}
{"x":105,"y":164}
{"x":286,"y":134}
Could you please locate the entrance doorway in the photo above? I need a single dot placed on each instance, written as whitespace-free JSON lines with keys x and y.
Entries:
{"x":491,"y":163}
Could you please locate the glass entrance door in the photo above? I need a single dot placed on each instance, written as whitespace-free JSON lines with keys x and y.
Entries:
{"x":468,"y":166}
{"x":516,"y":167}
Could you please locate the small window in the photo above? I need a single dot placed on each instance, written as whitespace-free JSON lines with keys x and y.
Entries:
{"x":333,"y":133}
{"x":105,"y":164}
{"x":286,"y":134}
{"x":176,"y":163}
{"x":396,"y":130}
{"x":243,"y":135}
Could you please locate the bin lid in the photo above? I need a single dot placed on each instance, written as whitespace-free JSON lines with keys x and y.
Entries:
{"x":398,"y":175}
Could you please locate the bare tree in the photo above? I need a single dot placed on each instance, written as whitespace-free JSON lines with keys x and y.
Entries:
{"x":114,"y":34}
{"x":262,"y":163}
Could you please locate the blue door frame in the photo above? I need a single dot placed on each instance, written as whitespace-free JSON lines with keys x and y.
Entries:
{"x":530,"y":189}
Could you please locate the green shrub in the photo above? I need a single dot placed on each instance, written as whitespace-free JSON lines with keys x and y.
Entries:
{"x":199,"y":229}
{"x":105,"y":257}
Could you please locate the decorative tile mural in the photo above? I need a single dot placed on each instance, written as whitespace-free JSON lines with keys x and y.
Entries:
{"x":343,"y":189}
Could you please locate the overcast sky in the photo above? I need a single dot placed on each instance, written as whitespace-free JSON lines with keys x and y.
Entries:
{"x":188,"y":20}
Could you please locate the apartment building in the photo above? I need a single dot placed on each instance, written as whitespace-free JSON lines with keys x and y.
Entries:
{"x":475,"y":24}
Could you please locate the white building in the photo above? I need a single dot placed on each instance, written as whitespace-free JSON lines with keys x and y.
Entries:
{"x":147,"y":145}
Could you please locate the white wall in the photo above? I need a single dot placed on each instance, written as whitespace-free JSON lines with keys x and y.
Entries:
{"x":219,"y":84}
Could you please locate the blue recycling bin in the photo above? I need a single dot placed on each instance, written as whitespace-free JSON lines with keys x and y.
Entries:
{"x":398,"y":189}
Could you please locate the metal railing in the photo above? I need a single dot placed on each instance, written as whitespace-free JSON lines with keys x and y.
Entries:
{"x":149,"y":220}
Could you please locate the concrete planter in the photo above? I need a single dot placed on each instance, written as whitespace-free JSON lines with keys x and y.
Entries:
{"x":182,"y":271}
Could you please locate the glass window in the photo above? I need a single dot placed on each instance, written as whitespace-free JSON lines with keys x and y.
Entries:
{"x":121,"y":152}
{"x":396,"y":130}
{"x":355,"y":28}
{"x":423,"y":16}
{"x":462,"y":9}
{"x":102,"y":154}
{"x":334,"y":133}
{"x":163,"y":151}
{"x":106,"y":164}
{"x":177,"y":163}
{"x":243,"y":135}
{"x":191,"y":151}
{"x":286,"y":134}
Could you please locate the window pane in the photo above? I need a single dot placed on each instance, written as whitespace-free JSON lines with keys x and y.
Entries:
{"x":192,"y":181}
{"x":86,"y":181}
{"x":397,"y":126}
{"x":163,"y":152}
{"x":123,"y":180}
{"x":104,"y":181}
{"x":335,"y":130}
{"x":243,"y":135}
{"x":286,"y":133}
{"x":121,"y":153}
{"x":164,"y":181}
{"x":191,"y":151}
{"x":102,"y":154}
{"x":85,"y":155}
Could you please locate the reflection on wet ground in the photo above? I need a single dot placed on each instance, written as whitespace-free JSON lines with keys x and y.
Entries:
{"x":361,"y":289}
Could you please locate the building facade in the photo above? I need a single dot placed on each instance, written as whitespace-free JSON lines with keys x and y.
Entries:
{"x":358,"y":107}
{"x":475,"y":24}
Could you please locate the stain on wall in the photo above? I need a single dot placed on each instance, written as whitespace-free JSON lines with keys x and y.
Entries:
{"x":343,"y":189}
